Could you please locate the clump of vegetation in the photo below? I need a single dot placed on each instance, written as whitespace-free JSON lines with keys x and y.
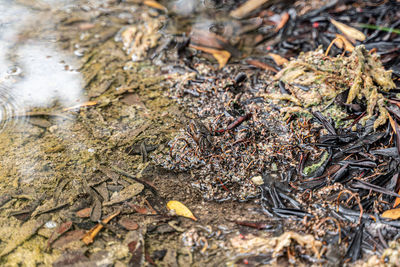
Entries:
{"x":314,"y":80}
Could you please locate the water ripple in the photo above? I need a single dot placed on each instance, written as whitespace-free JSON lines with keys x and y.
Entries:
{"x":11,"y":112}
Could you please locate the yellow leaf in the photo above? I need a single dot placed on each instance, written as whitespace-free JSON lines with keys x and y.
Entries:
{"x":393,"y":214}
{"x":278,"y":59}
{"x":180,"y":209}
{"x":350,"y":32}
{"x":221,"y":56}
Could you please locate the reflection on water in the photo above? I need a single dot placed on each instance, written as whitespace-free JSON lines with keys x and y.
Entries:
{"x":8,"y":107}
{"x":46,"y":76}
{"x":33,"y":72}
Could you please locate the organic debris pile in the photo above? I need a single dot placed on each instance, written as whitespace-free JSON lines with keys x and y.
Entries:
{"x":315,"y":80}
{"x":314,"y":171}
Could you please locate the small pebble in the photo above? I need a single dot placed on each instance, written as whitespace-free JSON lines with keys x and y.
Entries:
{"x":50,"y":224}
{"x":257,"y":180}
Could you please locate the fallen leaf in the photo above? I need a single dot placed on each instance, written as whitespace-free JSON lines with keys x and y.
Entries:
{"x":246,"y":8}
{"x":278,"y":59}
{"x":284,"y":19}
{"x":396,"y":201}
{"x":393,"y":214}
{"x":136,"y":249}
{"x":180,"y":209}
{"x":67,"y":238}
{"x":392,"y":123}
{"x":155,"y":5}
{"x":128,"y":224}
{"x":341,"y":40}
{"x":84,"y":213}
{"x":138,"y":209}
{"x":95,"y":215}
{"x":221,"y":56}
{"x":204,"y":38}
{"x":350,"y":32}
{"x":133,"y":100}
{"x":59,"y":231}
{"x":88,"y":238}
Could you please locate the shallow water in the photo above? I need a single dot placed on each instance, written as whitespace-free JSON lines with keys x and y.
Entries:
{"x":34,"y":72}
{"x":46,"y":138}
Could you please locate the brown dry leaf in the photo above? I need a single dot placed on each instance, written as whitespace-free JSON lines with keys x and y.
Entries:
{"x":88,"y":238}
{"x":284,"y":19}
{"x":350,"y":32}
{"x":155,"y":5}
{"x":396,"y":201}
{"x":59,"y":231}
{"x":204,"y":38}
{"x":278,"y":59}
{"x":221,"y":56}
{"x":138,"y":209}
{"x":341,"y":40}
{"x":180,"y":209}
{"x":84,"y":213}
{"x":393,"y":214}
{"x":246,"y":8}
{"x":128,"y":224}
{"x":67,"y":238}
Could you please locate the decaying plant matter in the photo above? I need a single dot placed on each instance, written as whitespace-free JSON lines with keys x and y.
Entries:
{"x":314,"y":79}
